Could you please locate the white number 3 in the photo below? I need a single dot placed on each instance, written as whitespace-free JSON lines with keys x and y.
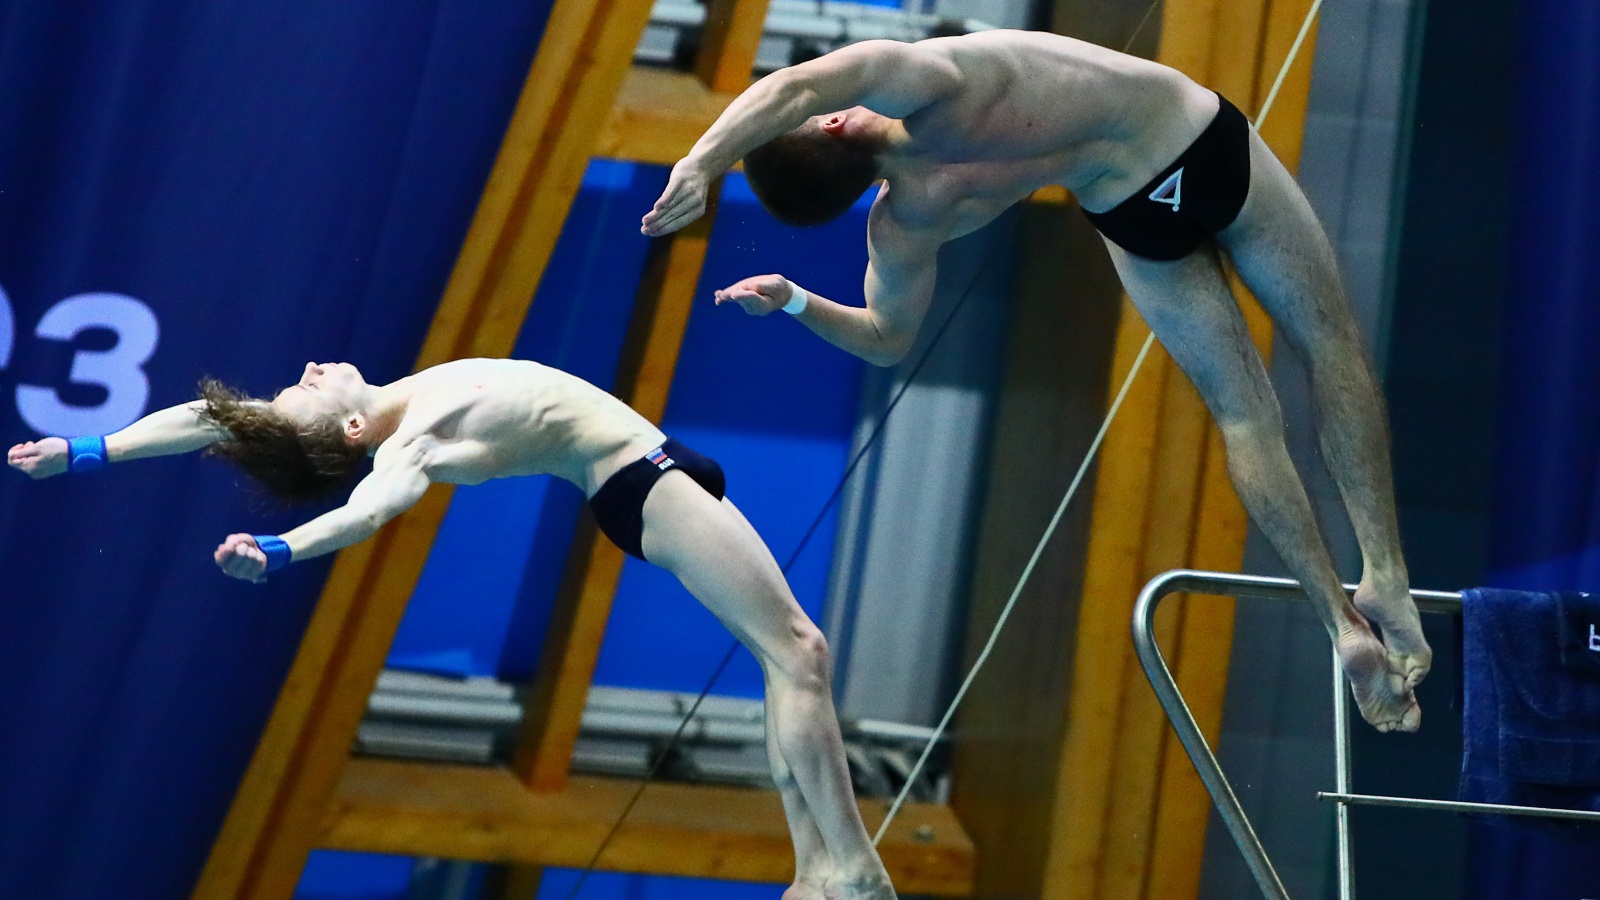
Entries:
{"x":119,"y":370}
{"x":7,"y":329}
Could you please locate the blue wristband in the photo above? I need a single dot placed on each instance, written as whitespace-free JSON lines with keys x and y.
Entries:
{"x":275,"y":548}
{"x":86,"y":454}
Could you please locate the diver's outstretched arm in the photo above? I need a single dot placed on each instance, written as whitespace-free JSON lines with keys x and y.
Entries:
{"x":165,"y":432}
{"x":397,"y":481}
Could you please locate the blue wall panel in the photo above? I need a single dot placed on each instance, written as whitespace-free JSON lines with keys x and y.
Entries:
{"x":336,"y":875}
{"x":223,"y":188}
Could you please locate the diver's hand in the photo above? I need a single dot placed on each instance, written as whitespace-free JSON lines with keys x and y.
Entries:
{"x":683,"y":200}
{"x":238,"y":556}
{"x":39,"y":459}
{"x":757,"y":295}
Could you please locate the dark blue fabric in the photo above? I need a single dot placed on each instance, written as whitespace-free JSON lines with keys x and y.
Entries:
{"x":194,"y":187}
{"x":1546,"y":525}
{"x":1546,"y":530}
{"x":1531,"y":723}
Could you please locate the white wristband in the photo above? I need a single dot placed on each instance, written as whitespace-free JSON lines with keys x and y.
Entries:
{"x":797,"y":299}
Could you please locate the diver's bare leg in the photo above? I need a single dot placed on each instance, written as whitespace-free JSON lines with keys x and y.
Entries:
{"x":1283,"y":255}
{"x":722,"y":561}
{"x":1188,"y":304}
{"x":812,"y":867}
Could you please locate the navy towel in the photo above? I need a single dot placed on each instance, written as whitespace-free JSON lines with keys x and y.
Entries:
{"x":1531,"y":722}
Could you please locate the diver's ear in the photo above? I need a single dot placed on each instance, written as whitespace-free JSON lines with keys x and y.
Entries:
{"x":355,"y":427}
{"x":833,"y":125}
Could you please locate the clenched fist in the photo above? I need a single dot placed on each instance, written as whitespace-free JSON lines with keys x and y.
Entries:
{"x":39,"y":459}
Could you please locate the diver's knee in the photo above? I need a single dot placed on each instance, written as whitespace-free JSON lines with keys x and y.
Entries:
{"x":808,"y":662}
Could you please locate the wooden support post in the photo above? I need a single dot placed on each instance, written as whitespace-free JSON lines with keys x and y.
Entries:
{"x":583,"y":60}
{"x":644,"y":379}
{"x":1066,"y":773}
{"x":728,"y":44}
{"x":594,"y":565}
{"x":560,"y":688}
{"x":586,"y":50}
{"x":692,"y":830}
{"x":1205,"y":633}
{"x":269,"y":829}
{"x":658,"y":117}
{"x":1132,"y":817}
{"x":1064,"y":315}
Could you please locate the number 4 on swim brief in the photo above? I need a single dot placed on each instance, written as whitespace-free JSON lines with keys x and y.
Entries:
{"x":1170,"y":191}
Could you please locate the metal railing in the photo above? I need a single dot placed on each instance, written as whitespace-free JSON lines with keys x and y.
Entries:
{"x":1205,"y":762}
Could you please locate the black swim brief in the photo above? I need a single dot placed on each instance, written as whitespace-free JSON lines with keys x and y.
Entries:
{"x":1189,"y":201}
{"x":618,"y":506}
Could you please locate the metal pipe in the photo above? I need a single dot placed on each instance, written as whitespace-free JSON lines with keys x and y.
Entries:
{"x":1194,"y":743}
{"x":438,"y":708}
{"x":1260,"y":587}
{"x":1166,"y":688}
{"x":700,"y":729}
{"x":400,"y":681}
{"x":1341,"y":778}
{"x":830,"y":22}
{"x":1543,"y":812}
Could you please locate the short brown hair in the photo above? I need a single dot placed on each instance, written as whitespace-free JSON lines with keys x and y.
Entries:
{"x":295,"y":462}
{"x":808,"y":177}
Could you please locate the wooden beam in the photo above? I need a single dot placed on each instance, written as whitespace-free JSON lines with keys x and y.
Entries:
{"x":583,"y":60}
{"x":1169,"y":533}
{"x":728,"y":44}
{"x":1113,"y":576}
{"x":644,"y":380}
{"x":1131,"y":817}
{"x":586,"y":50}
{"x":666,"y":298}
{"x":1205,"y":635}
{"x":649,"y":357}
{"x":658,"y":116}
{"x":660,"y":113}
{"x":482,"y":813}
{"x":555,"y":698}
{"x":1284,"y":130}
{"x":1199,"y":642}
{"x":1064,"y":314}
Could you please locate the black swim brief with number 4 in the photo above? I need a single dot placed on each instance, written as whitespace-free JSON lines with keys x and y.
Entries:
{"x":1192,"y":199}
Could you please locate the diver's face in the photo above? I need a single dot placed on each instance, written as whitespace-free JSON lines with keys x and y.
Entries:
{"x":324,"y":389}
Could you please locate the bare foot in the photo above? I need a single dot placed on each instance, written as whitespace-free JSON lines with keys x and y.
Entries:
{"x":1382,"y":695}
{"x":1396,"y":616}
{"x":873,"y":887}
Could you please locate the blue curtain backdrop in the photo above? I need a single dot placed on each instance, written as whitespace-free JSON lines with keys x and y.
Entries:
{"x":1546,"y":529}
{"x":195,"y":187}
